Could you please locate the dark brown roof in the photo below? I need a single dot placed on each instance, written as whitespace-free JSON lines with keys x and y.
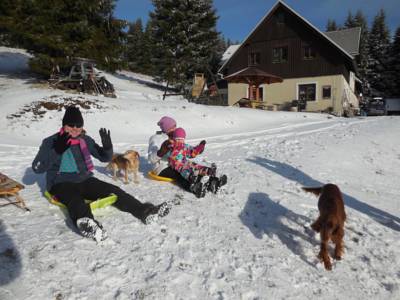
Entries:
{"x":253,"y":75}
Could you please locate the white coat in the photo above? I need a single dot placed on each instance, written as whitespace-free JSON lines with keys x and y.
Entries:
{"x":157,"y":163}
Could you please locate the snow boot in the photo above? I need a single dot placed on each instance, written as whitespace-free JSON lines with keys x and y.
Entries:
{"x":199,"y":187}
{"x":153,"y":212}
{"x":91,"y":228}
{"x":223,"y":180}
{"x":213,"y":170}
{"x":215,"y":183}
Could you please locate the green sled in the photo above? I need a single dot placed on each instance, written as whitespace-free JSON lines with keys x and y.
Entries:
{"x":99,"y":203}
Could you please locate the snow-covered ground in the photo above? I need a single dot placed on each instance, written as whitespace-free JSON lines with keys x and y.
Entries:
{"x":251,"y":241}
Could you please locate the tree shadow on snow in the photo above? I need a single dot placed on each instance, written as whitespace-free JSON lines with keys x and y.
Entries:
{"x":15,"y":67}
{"x":150,"y":84}
{"x":10,"y":260}
{"x":26,"y":76}
{"x":262,"y":215}
{"x":299,"y":176}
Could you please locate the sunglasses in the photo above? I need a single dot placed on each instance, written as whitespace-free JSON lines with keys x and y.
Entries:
{"x":75,"y":125}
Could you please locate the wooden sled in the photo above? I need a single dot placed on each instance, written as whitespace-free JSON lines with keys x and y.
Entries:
{"x":10,"y":188}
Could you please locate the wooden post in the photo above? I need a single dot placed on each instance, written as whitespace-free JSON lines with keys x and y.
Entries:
{"x":213,"y":79}
{"x":250,"y":93}
{"x":257,"y":93}
{"x":165,"y":91}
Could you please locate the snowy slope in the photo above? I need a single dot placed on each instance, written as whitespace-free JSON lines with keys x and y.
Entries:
{"x":251,"y":241}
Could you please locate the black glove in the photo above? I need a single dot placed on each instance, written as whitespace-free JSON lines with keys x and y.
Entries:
{"x":105,"y":138}
{"x":61,"y":143}
{"x":203,"y":142}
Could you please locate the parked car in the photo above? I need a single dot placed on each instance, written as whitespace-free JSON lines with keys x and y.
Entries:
{"x":379,"y":106}
{"x":376,"y":107}
{"x":392,"y":106}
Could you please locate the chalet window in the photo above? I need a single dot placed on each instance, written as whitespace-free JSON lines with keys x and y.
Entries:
{"x":279,"y":54}
{"x":307,"y":92}
{"x":326,"y":92}
{"x":309,"y":52}
{"x":254,"y":58}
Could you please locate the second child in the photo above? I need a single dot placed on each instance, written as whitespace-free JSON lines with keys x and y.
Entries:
{"x":200,"y":177}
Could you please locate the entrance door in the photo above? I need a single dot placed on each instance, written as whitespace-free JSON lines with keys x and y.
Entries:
{"x":256,"y":93}
{"x":261,"y":94}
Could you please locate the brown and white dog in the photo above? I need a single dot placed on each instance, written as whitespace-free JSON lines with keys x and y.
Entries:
{"x":330,"y":223}
{"x":127,"y":162}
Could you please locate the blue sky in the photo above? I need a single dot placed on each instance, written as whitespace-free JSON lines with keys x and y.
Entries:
{"x":238,"y":17}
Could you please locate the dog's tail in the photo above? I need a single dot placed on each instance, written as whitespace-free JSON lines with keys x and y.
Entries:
{"x":315,"y":190}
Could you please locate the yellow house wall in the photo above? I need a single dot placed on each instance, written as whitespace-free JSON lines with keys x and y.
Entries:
{"x":286,"y":91}
{"x":236,"y":91}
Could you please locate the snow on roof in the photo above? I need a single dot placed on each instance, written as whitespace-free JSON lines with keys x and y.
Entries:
{"x":229,"y":52}
{"x":348,"y":39}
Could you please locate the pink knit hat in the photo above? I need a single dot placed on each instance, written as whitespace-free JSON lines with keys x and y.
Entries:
{"x":179,"y":133}
{"x":166,"y":123}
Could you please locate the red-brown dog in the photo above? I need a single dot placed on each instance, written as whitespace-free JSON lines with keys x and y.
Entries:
{"x":330,"y":223}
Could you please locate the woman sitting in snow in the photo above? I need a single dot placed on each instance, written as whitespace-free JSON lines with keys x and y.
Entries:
{"x":201,"y":178}
{"x":66,"y":158}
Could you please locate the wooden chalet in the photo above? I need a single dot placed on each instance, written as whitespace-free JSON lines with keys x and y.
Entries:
{"x":317,"y":68}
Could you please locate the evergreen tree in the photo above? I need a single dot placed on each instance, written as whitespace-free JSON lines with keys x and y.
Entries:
{"x":350,"y":21}
{"x":10,"y":13}
{"x":229,"y":42}
{"x":186,"y":39}
{"x":148,"y":45}
{"x":7,"y":10}
{"x":363,"y":56}
{"x":215,"y":62}
{"x":140,"y":47}
{"x":55,"y":31}
{"x":331,"y":25}
{"x":379,"y":42}
{"x":104,"y":35}
{"x":134,"y":45}
{"x":394,"y":66}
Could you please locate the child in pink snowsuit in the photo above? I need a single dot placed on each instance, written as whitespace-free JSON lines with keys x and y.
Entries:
{"x":181,"y":153}
{"x":179,"y":160}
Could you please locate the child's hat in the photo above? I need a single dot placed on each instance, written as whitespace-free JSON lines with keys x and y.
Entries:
{"x":179,"y":133}
{"x":166,"y":124}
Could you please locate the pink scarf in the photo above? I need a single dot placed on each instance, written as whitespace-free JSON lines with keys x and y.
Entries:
{"x":84,"y":149}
